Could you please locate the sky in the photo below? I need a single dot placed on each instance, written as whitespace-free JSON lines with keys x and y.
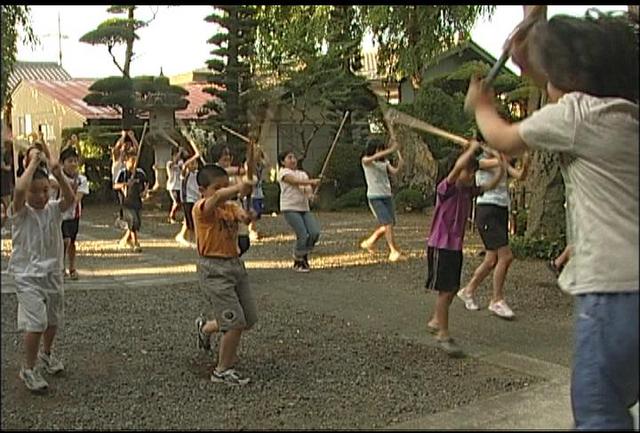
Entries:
{"x":176,"y":40}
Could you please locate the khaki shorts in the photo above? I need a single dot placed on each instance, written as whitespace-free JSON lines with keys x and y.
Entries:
{"x":40,"y":301}
{"x":225,"y":283}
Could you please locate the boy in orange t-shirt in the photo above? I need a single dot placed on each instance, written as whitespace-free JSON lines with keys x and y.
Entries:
{"x":223,"y":277}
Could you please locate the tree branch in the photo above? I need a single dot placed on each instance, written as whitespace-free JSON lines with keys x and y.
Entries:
{"x":110,"y":48}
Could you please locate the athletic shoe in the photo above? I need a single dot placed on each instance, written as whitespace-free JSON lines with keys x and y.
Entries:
{"x":32,"y":379}
{"x":450,"y":346}
{"x":469,"y":302}
{"x":204,"y":340}
{"x":52,"y":365}
{"x":229,"y":376}
{"x":501,"y":309}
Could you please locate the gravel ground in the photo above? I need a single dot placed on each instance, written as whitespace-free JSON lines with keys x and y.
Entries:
{"x":132,"y":362}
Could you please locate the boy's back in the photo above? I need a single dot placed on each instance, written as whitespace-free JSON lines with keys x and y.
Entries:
{"x":217,"y":234}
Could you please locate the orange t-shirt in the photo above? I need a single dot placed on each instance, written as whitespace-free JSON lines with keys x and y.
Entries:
{"x":217,"y":233}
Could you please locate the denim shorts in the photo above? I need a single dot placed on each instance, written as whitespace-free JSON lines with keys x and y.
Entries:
{"x":383,"y":210}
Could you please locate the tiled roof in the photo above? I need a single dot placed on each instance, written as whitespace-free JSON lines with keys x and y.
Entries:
{"x":36,"y":71}
{"x":197,"y":98}
{"x":70,"y":93}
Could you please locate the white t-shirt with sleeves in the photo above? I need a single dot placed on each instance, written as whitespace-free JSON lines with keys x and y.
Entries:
{"x":293,"y":197}
{"x":37,"y":246}
{"x":597,"y":139}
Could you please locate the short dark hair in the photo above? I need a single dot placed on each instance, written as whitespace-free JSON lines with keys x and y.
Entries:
{"x":282,"y":156}
{"x":597,"y":54}
{"x":209,"y":173}
{"x":40,"y":173}
{"x":373,"y":144}
{"x":216,"y":151}
{"x":68,"y":152}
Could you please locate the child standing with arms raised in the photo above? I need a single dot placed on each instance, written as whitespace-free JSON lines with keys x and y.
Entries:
{"x":444,"y":245}
{"x":37,"y":261}
{"x":132,"y":181}
{"x":376,"y":173}
{"x":223,"y":277}
{"x":71,"y":218}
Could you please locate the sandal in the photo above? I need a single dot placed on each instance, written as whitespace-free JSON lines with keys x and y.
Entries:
{"x":73,"y":274}
{"x":433,"y":329}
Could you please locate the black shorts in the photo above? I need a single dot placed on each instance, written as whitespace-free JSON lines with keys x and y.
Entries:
{"x":492,"y":223}
{"x":188,"y":216}
{"x":132,"y":218}
{"x":444,"y":268}
{"x":70,"y":228}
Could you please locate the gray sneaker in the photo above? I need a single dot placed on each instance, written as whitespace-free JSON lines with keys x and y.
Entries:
{"x":33,"y":380}
{"x":450,"y":346}
{"x":52,"y":365}
{"x":204,"y":340}
{"x":229,"y":376}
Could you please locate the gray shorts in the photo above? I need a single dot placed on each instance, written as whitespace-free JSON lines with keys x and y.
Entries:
{"x":40,"y":301}
{"x":225,"y":283}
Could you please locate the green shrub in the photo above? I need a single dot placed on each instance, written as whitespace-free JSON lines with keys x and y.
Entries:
{"x":541,"y":248}
{"x":271,"y":199}
{"x":356,"y":198}
{"x":409,"y":199}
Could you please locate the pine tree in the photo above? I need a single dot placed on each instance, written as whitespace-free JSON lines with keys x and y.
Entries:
{"x":232,"y":79}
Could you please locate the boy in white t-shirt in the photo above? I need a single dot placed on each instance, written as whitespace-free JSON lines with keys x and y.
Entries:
{"x":36,"y":264}
{"x":174,"y":169}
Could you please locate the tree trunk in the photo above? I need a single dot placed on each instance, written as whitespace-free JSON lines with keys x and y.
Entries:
{"x":546,"y":216}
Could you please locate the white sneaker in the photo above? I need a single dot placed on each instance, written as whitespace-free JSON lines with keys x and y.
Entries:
{"x":469,"y":302}
{"x":52,"y":365}
{"x":32,"y":379}
{"x":501,"y":309}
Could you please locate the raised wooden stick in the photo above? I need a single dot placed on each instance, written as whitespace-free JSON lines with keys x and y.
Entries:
{"x":535,"y":14}
{"x":185,"y":134}
{"x":333,"y":145}
{"x":144,"y":131}
{"x":237,"y":134}
{"x":410,"y":121}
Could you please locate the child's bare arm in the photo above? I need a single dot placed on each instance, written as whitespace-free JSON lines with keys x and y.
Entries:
{"x":68,"y":197}
{"x":398,"y":166}
{"x":299,"y":182}
{"x":23,"y":183}
{"x":381,"y":154}
{"x":463,"y":161}
{"x":498,"y":133}
{"x":224,"y":194}
{"x":522,"y":172}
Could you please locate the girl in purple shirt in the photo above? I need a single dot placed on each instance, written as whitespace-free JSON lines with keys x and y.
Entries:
{"x":444,"y":245}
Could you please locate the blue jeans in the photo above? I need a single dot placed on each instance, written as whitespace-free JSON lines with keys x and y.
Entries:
{"x":604,"y":381}
{"x":307,"y":231}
